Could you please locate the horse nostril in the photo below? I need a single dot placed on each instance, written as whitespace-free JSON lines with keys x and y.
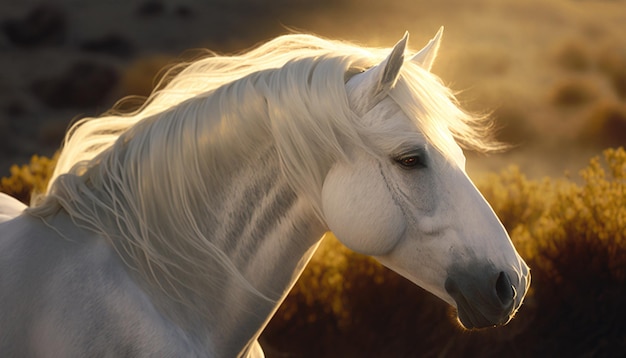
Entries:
{"x":504,"y":289}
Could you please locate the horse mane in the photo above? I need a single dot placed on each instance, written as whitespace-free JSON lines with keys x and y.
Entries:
{"x":208,"y":119}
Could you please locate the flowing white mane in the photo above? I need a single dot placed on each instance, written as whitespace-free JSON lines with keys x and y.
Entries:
{"x":147,"y":177}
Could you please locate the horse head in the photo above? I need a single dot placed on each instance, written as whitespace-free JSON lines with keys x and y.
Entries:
{"x":403,"y":196}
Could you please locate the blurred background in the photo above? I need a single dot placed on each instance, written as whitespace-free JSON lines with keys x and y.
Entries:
{"x":551,"y":72}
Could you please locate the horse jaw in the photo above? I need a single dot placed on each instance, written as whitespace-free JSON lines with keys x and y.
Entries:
{"x":361,"y":212}
{"x":461,"y":253}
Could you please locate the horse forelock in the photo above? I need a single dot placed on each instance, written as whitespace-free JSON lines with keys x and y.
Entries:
{"x":437,"y":113}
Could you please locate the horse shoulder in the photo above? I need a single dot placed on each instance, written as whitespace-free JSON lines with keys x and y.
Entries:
{"x":74,"y":297}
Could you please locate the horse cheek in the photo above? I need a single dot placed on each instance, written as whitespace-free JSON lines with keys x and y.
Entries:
{"x":360,"y":210}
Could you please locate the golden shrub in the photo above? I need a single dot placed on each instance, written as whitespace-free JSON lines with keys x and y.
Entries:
{"x":550,"y":212}
{"x":28,"y":179}
{"x":572,"y":233}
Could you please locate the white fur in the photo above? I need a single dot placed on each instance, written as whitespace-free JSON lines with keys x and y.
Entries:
{"x":426,"y":56}
{"x":9,"y":207}
{"x":362,"y":213}
{"x":177,"y":230}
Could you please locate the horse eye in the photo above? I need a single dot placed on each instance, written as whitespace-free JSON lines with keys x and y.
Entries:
{"x":411,"y":161}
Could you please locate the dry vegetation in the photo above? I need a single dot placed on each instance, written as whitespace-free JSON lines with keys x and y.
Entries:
{"x":571,"y":235}
{"x":569,"y":231}
{"x":28,"y":179}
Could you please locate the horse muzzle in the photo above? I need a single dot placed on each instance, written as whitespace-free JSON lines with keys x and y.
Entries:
{"x":486,"y":300}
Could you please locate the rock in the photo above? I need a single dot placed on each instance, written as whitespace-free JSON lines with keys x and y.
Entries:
{"x":85,"y":84}
{"x":44,"y":25}
{"x":112,"y":44}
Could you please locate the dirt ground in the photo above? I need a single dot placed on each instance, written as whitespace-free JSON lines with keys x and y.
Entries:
{"x":64,"y":59}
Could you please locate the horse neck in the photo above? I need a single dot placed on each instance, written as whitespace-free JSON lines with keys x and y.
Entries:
{"x":207,"y":191}
{"x":269,"y":234}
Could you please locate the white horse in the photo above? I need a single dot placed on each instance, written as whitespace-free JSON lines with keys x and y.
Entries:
{"x":176,"y":231}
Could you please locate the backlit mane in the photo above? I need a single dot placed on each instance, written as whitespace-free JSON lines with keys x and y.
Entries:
{"x":118,"y":171}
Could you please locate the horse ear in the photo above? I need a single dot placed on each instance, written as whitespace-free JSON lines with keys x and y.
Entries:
{"x":373,"y":85}
{"x":426,"y":56}
{"x":388,"y":71}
